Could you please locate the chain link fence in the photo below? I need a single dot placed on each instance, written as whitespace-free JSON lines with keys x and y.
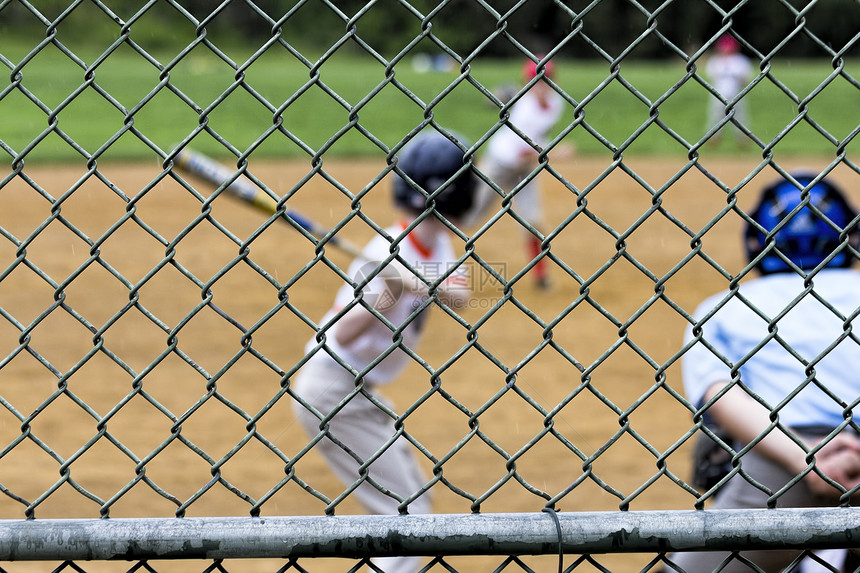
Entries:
{"x":153,"y":326}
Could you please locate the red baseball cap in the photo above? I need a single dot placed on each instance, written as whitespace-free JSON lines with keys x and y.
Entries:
{"x":530,"y":69}
{"x":727,"y":43}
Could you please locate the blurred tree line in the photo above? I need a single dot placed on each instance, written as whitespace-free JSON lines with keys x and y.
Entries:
{"x":498,"y":27}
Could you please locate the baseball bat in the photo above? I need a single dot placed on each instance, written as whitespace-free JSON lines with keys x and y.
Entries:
{"x":206,"y":168}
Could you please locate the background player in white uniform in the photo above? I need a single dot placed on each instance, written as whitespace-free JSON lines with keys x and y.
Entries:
{"x":728,"y":71}
{"x":509,"y":158}
{"x":357,"y":350}
{"x":777,"y":371}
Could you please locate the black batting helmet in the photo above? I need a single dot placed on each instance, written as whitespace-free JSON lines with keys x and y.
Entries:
{"x":428,"y":162}
{"x":811,"y":235}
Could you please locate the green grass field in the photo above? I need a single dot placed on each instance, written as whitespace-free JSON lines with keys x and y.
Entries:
{"x":123,"y":105}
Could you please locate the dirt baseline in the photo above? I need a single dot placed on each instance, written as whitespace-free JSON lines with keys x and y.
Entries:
{"x":115,"y":363}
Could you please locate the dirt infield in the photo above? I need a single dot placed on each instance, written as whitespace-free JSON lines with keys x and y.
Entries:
{"x":73,"y":301}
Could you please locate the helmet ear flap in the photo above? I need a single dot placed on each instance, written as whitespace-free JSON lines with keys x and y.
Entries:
{"x":809,"y":237}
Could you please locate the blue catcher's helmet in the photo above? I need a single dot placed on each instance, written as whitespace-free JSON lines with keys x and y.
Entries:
{"x":811,"y":235}
{"x":429,"y":161}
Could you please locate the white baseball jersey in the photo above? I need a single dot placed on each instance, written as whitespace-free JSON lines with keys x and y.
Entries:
{"x":431,"y":261}
{"x":728,"y":73}
{"x":506,"y":147}
{"x":773,"y":371}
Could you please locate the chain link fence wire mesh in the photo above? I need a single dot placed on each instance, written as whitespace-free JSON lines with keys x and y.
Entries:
{"x":153,"y":326}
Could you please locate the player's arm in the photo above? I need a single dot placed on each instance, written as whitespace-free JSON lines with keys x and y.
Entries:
{"x":351,"y":325}
{"x":530,"y":157}
{"x":358,"y":319}
{"x":746,"y":419}
{"x":527,"y":157}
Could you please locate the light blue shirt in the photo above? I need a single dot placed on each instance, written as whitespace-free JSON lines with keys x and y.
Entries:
{"x":775,"y":368}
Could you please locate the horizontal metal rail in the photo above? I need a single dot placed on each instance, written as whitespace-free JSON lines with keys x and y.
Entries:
{"x":429,"y":535}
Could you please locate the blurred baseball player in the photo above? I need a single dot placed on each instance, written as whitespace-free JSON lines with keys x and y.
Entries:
{"x":785,"y":334}
{"x":510,"y":159}
{"x":364,"y":340}
{"x":728,"y":71}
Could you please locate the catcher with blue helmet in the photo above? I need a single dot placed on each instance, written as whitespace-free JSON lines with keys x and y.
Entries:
{"x":815,"y":226}
{"x":775,"y":349}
